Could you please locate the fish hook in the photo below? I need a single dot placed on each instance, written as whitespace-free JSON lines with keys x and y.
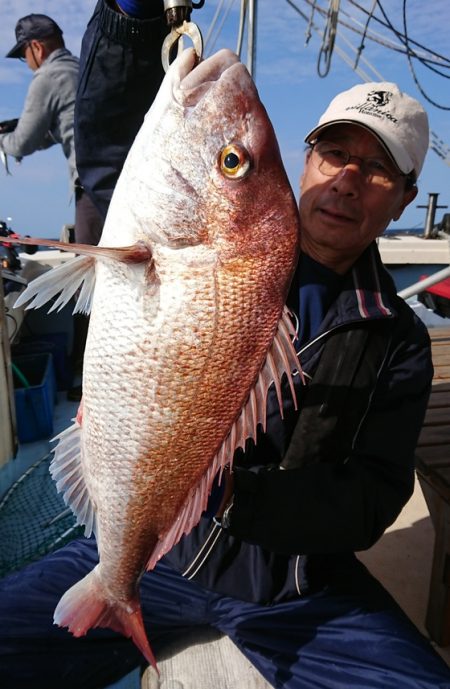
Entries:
{"x":178,"y":13}
{"x":176,"y":36}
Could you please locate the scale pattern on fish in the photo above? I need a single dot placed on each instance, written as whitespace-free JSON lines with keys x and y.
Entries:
{"x":187,"y":331}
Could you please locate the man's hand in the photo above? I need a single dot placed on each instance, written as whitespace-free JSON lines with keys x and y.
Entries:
{"x":8,"y":126}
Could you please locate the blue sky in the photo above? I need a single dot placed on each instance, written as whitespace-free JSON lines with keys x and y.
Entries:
{"x":37,"y":196}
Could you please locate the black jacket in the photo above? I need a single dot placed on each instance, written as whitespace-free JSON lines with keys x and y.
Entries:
{"x":292,"y":530}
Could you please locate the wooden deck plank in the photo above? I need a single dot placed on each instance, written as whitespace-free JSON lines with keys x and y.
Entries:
{"x":434,"y":435}
{"x":439,"y":399}
{"x":437,"y":415}
{"x":434,"y":457}
{"x":441,"y":373}
{"x":441,"y":386}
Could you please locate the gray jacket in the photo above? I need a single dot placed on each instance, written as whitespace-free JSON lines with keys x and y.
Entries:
{"x":48,"y":113}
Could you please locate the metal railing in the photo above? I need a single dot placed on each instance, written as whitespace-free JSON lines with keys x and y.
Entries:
{"x":422,"y":285}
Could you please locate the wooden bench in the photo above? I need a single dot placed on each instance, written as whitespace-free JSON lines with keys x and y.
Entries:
{"x":433,"y":471}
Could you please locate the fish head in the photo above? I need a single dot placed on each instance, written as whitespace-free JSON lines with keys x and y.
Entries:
{"x":205,"y":169}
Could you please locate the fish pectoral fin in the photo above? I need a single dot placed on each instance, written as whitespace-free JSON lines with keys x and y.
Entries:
{"x":66,"y":470}
{"x":135,"y":253}
{"x":75,"y":275}
{"x":281,"y":360}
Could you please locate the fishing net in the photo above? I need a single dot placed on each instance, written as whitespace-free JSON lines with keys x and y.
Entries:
{"x":34,"y":520}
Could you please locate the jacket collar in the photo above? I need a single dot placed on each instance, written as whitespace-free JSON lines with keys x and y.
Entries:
{"x":55,"y":55}
{"x":368,"y":292}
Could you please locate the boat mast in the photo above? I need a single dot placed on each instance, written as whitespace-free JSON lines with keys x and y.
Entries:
{"x":251,"y":39}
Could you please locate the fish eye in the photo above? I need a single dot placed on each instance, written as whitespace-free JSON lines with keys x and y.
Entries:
{"x":234,"y":161}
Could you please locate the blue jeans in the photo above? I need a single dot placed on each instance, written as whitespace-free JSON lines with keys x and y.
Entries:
{"x":350,"y":635}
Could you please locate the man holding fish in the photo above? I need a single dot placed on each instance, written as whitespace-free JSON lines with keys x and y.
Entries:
{"x":311,"y":413}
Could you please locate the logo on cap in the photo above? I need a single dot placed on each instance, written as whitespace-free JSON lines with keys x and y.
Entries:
{"x":379,"y":97}
{"x":375,"y":100}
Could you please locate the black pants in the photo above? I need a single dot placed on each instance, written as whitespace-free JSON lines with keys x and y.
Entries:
{"x":88,"y":220}
{"x":351,"y":635}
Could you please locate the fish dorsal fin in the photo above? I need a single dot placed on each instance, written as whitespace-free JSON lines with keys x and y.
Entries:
{"x":66,"y":470}
{"x":66,"y":279}
{"x":281,"y":359}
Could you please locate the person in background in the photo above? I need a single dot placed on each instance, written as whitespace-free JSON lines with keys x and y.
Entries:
{"x":48,"y":113}
{"x":274,"y":567}
{"x":48,"y":119}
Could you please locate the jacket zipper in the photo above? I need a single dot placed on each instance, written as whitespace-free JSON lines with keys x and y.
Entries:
{"x":199,"y":560}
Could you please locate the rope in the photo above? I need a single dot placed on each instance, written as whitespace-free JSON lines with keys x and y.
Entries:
{"x":411,"y":67}
{"x":361,"y":45}
{"x":329,"y":37}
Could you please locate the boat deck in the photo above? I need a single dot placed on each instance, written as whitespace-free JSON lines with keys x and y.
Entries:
{"x":410,"y":249}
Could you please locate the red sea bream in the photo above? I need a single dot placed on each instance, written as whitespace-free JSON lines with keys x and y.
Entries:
{"x":187,"y":329}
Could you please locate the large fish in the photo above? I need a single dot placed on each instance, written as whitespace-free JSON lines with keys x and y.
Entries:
{"x":187,"y":331}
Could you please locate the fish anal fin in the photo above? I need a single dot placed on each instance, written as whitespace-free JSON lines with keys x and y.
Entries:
{"x":66,"y":470}
{"x":281,"y":360}
{"x":86,"y":606}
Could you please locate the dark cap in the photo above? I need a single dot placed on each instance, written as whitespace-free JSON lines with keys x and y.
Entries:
{"x":33,"y":26}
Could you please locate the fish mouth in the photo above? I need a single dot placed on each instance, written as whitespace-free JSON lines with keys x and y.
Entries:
{"x":196,"y":78}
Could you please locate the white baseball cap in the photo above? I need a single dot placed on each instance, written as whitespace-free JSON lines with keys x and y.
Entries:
{"x":398,"y":121}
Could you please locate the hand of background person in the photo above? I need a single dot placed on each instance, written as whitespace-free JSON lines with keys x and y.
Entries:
{"x":8,"y":126}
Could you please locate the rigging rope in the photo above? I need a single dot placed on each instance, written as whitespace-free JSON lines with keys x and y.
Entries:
{"x":310,"y":24}
{"x":378,"y":38}
{"x":342,"y":54}
{"x":410,"y":53}
{"x":387,"y":24}
{"x":436,"y":144}
{"x":413,"y":73}
{"x":361,"y":45}
{"x":224,"y":18}
{"x":329,"y":37}
{"x":213,"y":22}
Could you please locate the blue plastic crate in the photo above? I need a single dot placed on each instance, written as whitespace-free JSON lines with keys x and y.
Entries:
{"x":48,"y":343}
{"x":34,"y":392}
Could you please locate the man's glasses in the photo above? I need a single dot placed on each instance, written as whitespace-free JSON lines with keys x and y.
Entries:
{"x":22,"y":57}
{"x":330,"y":158}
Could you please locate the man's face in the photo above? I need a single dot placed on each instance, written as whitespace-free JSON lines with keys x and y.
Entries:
{"x":342,"y":214}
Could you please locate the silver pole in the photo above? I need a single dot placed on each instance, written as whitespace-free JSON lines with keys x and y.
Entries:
{"x":251,"y":46}
{"x":241,"y":27}
{"x":431,"y":207}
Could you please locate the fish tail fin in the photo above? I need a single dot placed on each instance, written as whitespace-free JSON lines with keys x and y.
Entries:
{"x":85,"y":606}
